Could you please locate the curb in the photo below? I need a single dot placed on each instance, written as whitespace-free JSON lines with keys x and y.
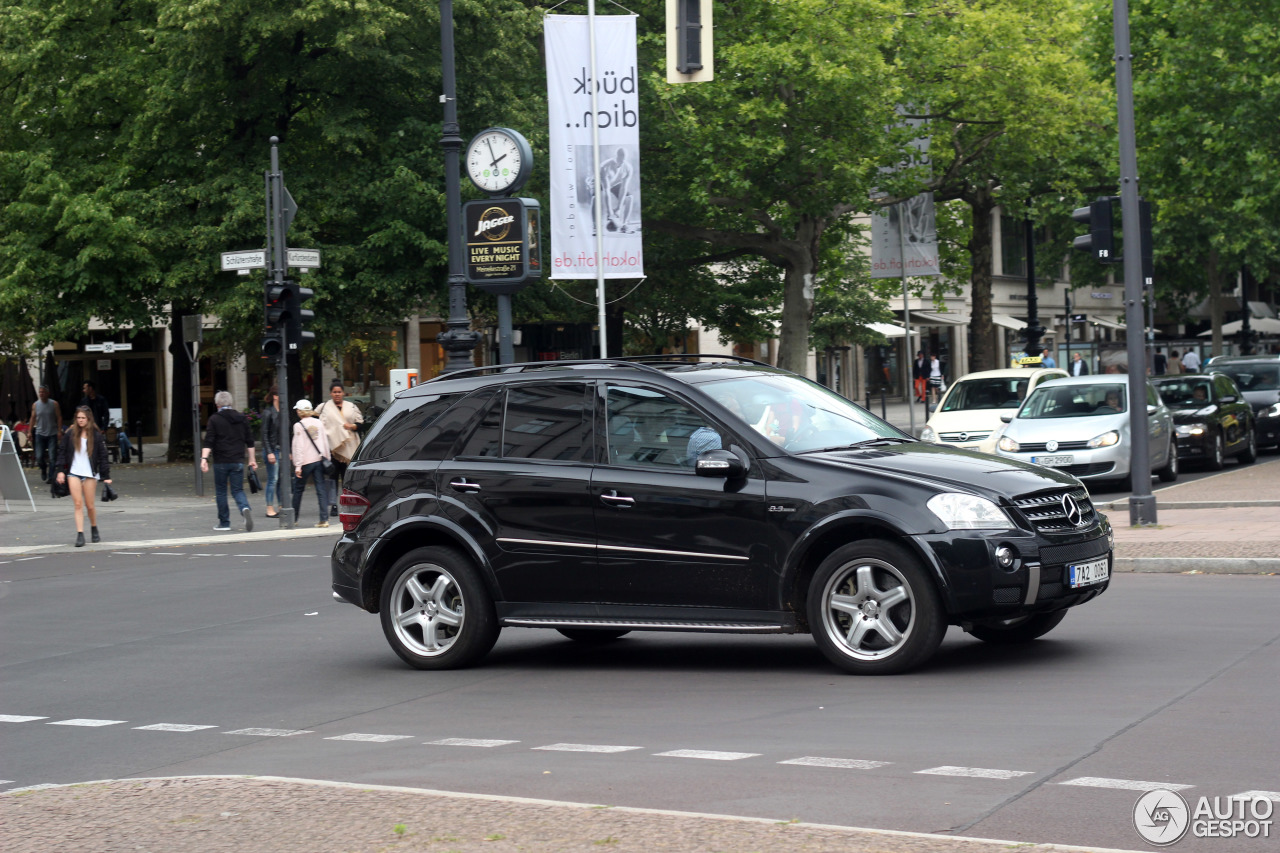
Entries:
{"x":1123,"y":503}
{"x":1199,"y":565}
{"x":241,"y":536}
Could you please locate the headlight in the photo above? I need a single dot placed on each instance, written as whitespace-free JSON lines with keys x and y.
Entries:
{"x":1008,"y":444}
{"x":927,"y":434}
{"x":1273,"y":412}
{"x":967,"y":512}
{"x":1190,"y":429}
{"x":1105,"y":440}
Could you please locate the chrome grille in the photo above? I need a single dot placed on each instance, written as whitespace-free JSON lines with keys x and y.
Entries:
{"x":1044,"y":510}
{"x":964,"y":436}
{"x":1039,"y":447}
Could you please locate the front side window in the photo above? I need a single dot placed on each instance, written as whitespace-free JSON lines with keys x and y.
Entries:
{"x":651,"y":429}
{"x":1075,"y":401}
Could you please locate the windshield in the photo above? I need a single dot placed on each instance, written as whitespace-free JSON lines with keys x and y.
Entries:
{"x":1253,"y":376}
{"x":989,"y":392}
{"x":1075,"y":401}
{"x":1184,"y":393}
{"x":799,"y":415}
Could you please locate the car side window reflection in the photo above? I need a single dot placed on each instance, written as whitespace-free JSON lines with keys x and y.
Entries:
{"x":648,"y":428}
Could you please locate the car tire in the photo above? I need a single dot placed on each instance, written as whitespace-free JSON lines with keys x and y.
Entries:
{"x":1169,"y":473}
{"x":594,"y":636}
{"x":873,"y":610}
{"x":1250,"y":453}
{"x":436,"y":612}
{"x":1215,"y":460}
{"x":1023,"y":629}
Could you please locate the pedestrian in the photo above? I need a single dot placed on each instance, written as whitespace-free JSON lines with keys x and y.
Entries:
{"x":1161,"y":364}
{"x":1174,"y":365}
{"x":1191,"y":361}
{"x":1046,"y":360}
{"x":341,"y":419}
{"x":936,"y":385}
{"x":271,"y":449}
{"x":45,"y":425}
{"x":309,"y":449}
{"x":1079,"y":367}
{"x":920,"y":375}
{"x":226,"y":438}
{"x":97,"y":405}
{"x":82,"y":462}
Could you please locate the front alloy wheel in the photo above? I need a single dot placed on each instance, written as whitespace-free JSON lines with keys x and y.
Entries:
{"x":435,"y":611}
{"x":873,"y":610}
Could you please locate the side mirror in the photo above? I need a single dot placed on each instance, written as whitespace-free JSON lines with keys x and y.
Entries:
{"x":1230,"y":398}
{"x":720,"y":463}
{"x":1006,"y":419}
{"x":1151,"y":410}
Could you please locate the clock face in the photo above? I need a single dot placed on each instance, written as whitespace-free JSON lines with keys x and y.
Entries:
{"x":498,"y":160}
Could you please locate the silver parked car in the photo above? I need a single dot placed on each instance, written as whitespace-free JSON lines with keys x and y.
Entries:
{"x":1080,"y":425}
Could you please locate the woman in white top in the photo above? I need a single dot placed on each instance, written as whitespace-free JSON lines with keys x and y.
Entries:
{"x":310,"y":446}
{"x":82,"y":461}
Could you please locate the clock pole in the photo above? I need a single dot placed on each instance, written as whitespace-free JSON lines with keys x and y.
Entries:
{"x":458,"y":339}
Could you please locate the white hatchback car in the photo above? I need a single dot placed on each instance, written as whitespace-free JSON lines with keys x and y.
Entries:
{"x":969,"y":413}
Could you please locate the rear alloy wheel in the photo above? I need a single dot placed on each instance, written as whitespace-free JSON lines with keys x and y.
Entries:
{"x":1169,"y":472}
{"x":1250,"y":454}
{"x":436,"y":613}
{"x":1022,"y":629}
{"x":873,"y":610}
{"x":594,"y":636}
{"x":1214,"y":462}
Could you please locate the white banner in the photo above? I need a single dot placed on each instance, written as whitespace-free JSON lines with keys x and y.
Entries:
{"x":918,"y":240}
{"x":573,"y":239}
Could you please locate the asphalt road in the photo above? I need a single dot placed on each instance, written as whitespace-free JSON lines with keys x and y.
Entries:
{"x":185,"y":661}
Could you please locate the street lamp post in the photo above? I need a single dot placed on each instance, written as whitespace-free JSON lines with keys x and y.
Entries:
{"x":458,"y":339}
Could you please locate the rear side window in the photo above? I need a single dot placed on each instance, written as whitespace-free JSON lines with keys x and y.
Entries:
{"x":402,"y":424}
{"x":536,"y":421}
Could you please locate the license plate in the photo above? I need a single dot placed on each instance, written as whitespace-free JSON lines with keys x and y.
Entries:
{"x":1054,"y":461}
{"x":1086,"y":574}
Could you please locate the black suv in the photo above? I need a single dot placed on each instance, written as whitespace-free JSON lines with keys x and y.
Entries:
{"x":1258,"y":376}
{"x":696,"y":493}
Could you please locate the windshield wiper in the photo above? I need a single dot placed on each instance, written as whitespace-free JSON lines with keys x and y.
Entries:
{"x":870,"y":442}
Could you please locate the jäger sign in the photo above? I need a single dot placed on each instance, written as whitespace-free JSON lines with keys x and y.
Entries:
{"x":503,"y":242}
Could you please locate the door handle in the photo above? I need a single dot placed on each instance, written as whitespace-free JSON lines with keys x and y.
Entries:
{"x":461,"y":485}
{"x":612,"y":498}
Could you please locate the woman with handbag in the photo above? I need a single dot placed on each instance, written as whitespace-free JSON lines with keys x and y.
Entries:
{"x":311,"y":459}
{"x":82,"y":461}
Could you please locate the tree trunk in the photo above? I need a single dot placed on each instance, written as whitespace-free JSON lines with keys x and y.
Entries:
{"x":983,"y":355}
{"x":797,"y":297}
{"x":181,"y":440}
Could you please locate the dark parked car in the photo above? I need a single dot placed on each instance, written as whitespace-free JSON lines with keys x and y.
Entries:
{"x":1211,"y":418}
{"x":696,"y":493}
{"x":1258,"y":376}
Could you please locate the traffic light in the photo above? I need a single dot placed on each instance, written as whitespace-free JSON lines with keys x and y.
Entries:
{"x":1145,"y":213}
{"x":296,"y":317}
{"x":688,"y":36}
{"x":1101,"y":237}
{"x":274,"y":311}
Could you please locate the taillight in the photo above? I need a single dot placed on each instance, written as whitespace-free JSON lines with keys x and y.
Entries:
{"x":351,"y":507}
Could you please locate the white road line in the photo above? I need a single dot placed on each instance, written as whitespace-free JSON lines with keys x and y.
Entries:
{"x":251,"y":555}
{"x":1124,"y":784}
{"x":89,"y":723}
{"x":18,"y":718}
{"x":844,"y":763}
{"x":24,"y":559}
{"x":269,"y":732}
{"x":302,"y":556}
{"x":467,"y":741}
{"x":1259,"y":795}
{"x":370,"y":738}
{"x":127,"y":553}
{"x":710,"y":755}
{"x":168,"y":553}
{"x":6,"y":781}
{"x":172,"y":727}
{"x":586,"y":747}
{"x":975,"y":772}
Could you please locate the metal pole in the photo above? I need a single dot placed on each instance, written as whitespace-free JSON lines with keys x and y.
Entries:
{"x":906,"y":321}
{"x":195,"y":414}
{"x":1066,"y":304}
{"x":599,"y":190}
{"x":1034,"y":329}
{"x":458,"y":339}
{"x":275,"y":241}
{"x":506,"y":352}
{"x":1142,"y":503}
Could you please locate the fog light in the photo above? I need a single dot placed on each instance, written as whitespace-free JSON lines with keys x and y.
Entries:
{"x":1004,"y":556}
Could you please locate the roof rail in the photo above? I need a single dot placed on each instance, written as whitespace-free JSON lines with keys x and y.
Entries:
{"x":523,"y":367}
{"x":689,"y":356}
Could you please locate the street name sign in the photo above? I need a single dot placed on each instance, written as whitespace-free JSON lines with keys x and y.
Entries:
{"x":249,"y":259}
{"x":108,"y":347}
{"x":303,"y":258}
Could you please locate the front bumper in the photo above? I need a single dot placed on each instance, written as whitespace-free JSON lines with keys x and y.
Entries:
{"x":1267,"y":431}
{"x":1193,"y":447}
{"x":1088,"y":464}
{"x":977,"y":588}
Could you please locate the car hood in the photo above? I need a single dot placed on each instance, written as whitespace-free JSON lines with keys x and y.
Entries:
{"x":969,"y":420}
{"x":1262,"y":399}
{"x":1189,"y":416}
{"x":951,"y":468}
{"x":1025,"y":430}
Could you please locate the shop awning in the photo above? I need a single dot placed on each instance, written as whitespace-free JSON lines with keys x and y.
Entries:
{"x":1107,"y":324}
{"x":1260,"y":325}
{"x":1008,"y":322}
{"x":889,"y":330}
{"x":929,"y":318}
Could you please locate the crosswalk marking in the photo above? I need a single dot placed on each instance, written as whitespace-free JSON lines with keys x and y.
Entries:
{"x":88,"y":723}
{"x":843,"y":763}
{"x":586,"y":747}
{"x":370,"y":738}
{"x":468,"y":741}
{"x":18,"y":718}
{"x":172,"y":727}
{"x":974,"y":772}
{"x":711,"y":755}
{"x":269,"y":732}
{"x":1124,"y":784}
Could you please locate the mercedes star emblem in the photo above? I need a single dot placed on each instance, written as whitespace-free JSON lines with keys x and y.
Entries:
{"x":1071,"y":510}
